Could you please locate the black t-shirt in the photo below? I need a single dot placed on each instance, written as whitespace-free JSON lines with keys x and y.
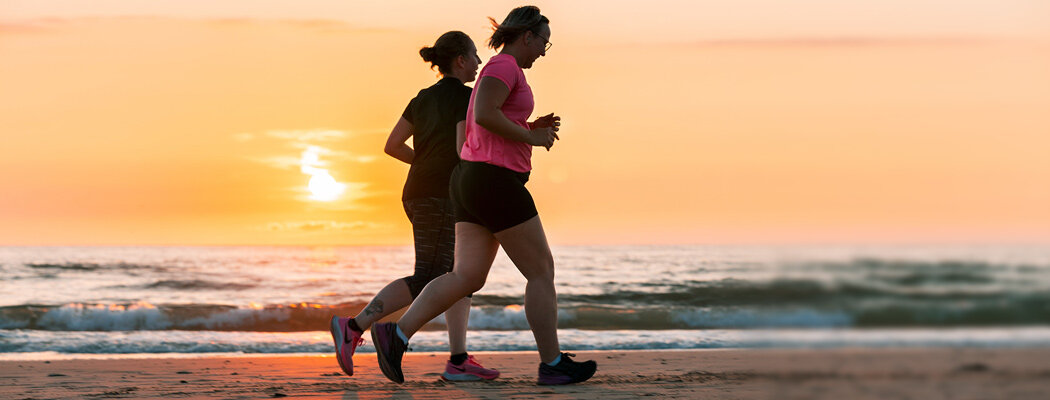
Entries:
{"x":434,"y":113}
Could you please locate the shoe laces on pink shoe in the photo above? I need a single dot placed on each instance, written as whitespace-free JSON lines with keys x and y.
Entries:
{"x":355,"y":339}
{"x":473,"y":361}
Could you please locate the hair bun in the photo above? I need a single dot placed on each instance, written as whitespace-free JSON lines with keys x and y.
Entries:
{"x":447,"y":47}
{"x":428,"y":54}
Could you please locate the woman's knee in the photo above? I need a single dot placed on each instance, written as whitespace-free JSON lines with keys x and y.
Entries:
{"x":469,"y":282}
{"x":474,"y":284}
{"x":541,"y":270}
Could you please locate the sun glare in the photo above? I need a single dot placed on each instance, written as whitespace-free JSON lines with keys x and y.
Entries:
{"x":324,"y":188}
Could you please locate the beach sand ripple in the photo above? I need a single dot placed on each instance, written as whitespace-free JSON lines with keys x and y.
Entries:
{"x":730,"y":374}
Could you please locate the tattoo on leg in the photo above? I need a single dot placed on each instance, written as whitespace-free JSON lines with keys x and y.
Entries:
{"x":374,"y":308}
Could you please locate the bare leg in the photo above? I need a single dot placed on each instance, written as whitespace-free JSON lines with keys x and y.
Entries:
{"x":456,"y":318}
{"x":475,"y":250}
{"x":526,"y":244}
{"x":393,"y":297}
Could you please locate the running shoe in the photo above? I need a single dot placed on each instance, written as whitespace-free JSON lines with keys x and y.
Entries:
{"x":566,"y":371}
{"x":471,"y":370}
{"x":389,"y":348}
{"x":346,"y":341}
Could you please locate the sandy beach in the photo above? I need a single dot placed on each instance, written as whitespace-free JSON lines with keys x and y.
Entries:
{"x":729,"y":374}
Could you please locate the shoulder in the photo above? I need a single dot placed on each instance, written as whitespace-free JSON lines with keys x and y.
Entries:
{"x":504,"y":68}
{"x":503,"y":62}
{"x":436,"y":89}
{"x":415,"y":101}
{"x":419,"y":95}
{"x":424,"y":92}
{"x":501,"y":59}
{"x":426,"y":96}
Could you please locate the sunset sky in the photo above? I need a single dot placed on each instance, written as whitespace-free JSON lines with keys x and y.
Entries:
{"x":129,"y":122}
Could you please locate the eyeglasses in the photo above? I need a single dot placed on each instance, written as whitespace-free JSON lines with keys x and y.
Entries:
{"x":548,"y":44}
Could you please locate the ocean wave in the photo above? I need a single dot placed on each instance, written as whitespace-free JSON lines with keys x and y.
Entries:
{"x":798,"y":292}
{"x":30,"y":344}
{"x":89,"y":267}
{"x":67,"y":267}
{"x":742,"y":319}
{"x":314,"y":317}
{"x":196,"y":284}
{"x":883,"y":264}
{"x":145,"y":316}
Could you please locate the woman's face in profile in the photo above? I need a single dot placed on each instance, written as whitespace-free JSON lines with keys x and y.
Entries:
{"x":537,"y":45}
{"x":473,"y":61}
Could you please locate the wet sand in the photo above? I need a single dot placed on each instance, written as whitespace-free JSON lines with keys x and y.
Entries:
{"x":722,"y":374}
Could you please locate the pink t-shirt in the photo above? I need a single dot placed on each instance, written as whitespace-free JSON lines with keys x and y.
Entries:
{"x":484,"y":146}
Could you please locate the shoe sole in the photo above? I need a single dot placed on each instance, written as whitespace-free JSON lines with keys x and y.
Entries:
{"x":384,"y":365}
{"x":589,"y":376}
{"x":336,"y":336}
{"x":466,"y":377}
{"x":460,"y":377}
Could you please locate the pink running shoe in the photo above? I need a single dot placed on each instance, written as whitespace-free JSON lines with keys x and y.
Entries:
{"x":346,"y":341}
{"x":471,"y":370}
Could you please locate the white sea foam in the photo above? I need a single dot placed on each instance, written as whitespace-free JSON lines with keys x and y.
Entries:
{"x":146,"y":316}
{"x":239,"y":317}
{"x":81,"y":317}
{"x":721,"y":318}
{"x":510,"y":317}
{"x":18,"y":344}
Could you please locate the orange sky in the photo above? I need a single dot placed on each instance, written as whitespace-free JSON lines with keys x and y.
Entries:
{"x":174,"y":123}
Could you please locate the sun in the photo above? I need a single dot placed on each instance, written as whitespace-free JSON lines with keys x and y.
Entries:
{"x":323,"y":187}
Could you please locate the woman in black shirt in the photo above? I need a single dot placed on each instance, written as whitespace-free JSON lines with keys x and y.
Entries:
{"x":434,"y":119}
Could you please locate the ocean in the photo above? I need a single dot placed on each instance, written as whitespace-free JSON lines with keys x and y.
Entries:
{"x":83,"y":302}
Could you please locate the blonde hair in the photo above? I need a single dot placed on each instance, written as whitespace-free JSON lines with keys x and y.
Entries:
{"x":519,"y":20}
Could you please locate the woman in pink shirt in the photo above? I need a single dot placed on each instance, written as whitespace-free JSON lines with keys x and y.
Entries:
{"x":494,"y":208}
{"x":432,"y":120}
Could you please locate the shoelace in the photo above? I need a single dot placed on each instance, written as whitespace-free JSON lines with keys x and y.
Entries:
{"x":348,"y":333}
{"x":474,"y":361}
{"x":566,"y":357}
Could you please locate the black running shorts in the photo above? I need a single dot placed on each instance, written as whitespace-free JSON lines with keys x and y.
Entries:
{"x":490,"y":196}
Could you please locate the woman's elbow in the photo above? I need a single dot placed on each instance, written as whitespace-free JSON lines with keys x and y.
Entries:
{"x":483,"y":119}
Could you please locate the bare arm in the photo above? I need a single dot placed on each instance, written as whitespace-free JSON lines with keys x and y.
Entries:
{"x":461,"y":137}
{"x":492,"y":92}
{"x":395,"y":144}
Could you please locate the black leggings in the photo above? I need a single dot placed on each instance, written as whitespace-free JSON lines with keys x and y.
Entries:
{"x":490,"y":196}
{"x":434,"y":231}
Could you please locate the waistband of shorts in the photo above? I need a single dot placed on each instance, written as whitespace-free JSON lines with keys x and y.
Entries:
{"x":522,"y":176}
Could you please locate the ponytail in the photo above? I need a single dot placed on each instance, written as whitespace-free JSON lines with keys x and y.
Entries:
{"x":519,"y":20}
